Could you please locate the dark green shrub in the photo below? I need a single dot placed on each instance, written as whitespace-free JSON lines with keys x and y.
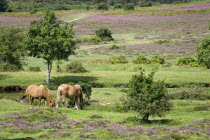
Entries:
{"x":34,"y":69}
{"x":145,"y":3}
{"x":96,"y":84}
{"x":201,"y":108}
{"x":104,"y":34}
{"x":118,"y":60}
{"x":75,"y":67}
{"x":95,"y":117}
{"x":185,"y":60}
{"x":118,"y":6}
{"x":147,"y":97}
{"x":203,"y":51}
{"x":114,"y":46}
{"x":139,"y":59}
{"x":86,"y":89}
{"x":195,"y":94}
{"x":157,"y":59}
{"x":102,"y":6}
{"x":128,"y":6}
{"x":33,"y":11}
{"x":9,"y":67}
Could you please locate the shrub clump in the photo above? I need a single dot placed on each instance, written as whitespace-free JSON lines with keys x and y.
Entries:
{"x":86,"y":89}
{"x":118,"y":6}
{"x":102,"y":6}
{"x":118,"y":60}
{"x":128,"y":6}
{"x":114,"y":46}
{"x":185,"y":61}
{"x":157,"y":59}
{"x":139,"y":59}
{"x":34,"y":69}
{"x":104,"y":34}
{"x":9,"y":67}
{"x":75,"y":67}
{"x":145,"y":4}
{"x":195,"y":94}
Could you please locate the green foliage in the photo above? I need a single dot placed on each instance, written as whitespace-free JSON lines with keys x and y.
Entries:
{"x":185,"y":61}
{"x":203,"y":51}
{"x":3,"y":5}
{"x":114,"y":46}
{"x":48,"y":40}
{"x":195,"y":94}
{"x":11,"y":48}
{"x":201,"y":108}
{"x":139,"y":59}
{"x":147,"y":97}
{"x":87,"y":90}
{"x":35,"y":69}
{"x":75,"y":67}
{"x":157,"y":59}
{"x":104,"y":34}
{"x":118,"y":6}
{"x":128,"y":6}
{"x":162,"y":41}
{"x":118,"y":60}
{"x":102,"y":6}
{"x":8,"y":67}
{"x":145,"y":3}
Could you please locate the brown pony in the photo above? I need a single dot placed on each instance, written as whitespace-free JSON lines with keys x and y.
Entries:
{"x":38,"y":92}
{"x":72,"y":92}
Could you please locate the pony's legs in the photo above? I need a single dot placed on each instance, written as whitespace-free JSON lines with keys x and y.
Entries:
{"x":39,"y":103}
{"x":45,"y":102}
{"x":63,"y":100}
{"x":31,"y":99}
{"x":76,"y":102}
{"x":58,"y":98}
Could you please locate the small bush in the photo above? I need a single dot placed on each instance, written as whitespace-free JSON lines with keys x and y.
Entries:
{"x":201,"y":108}
{"x":185,"y":61}
{"x":9,"y":67}
{"x":195,"y":94}
{"x":75,"y":67}
{"x":34,"y":69}
{"x":104,"y":34}
{"x":86,"y":89}
{"x":96,"y":84}
{"x":162,"y":41}
{"x":102,"y":6}
{"x":139,"y":59}
{"x":145,"y":4}
{"x":118,"y":6}
{"x":128,"y":6}
{"x":114,"y":46}
{"x":118,"y":60}
{"x":157,"y":59}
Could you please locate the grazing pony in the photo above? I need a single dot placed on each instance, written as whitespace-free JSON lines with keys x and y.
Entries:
{"x":72,"y":92}
{"x":38,"y":92}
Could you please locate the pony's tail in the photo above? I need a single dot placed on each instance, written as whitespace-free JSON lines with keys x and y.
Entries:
{"x":81,"y":99}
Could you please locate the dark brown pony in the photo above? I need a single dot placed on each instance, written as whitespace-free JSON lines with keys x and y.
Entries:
{"x":38,"y":92}
{"x":72,"y":92}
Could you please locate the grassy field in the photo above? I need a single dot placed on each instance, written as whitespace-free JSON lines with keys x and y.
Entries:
{"x":180,"y":27}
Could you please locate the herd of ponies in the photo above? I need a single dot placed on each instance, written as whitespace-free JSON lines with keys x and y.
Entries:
{"x":64,"y":91}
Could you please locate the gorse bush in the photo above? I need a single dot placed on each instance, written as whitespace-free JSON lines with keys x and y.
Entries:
{"x":75,"y":67}
{"x":104,"y":34}
{"x":185,"y":60}
{"x":102,"y":6}
{"x":128,"y":6}
{"x":139,"y":59}
{"x":147,"y":97}
{"x":87,"y":90}
{"x":118,"y":6}
{"x":157,"y":59}
{"x":9,"y":67}
{"x":162,"y":41}
{"x":114,"y":46}
{"x":118,"y":60}
{"x":34,"y":69}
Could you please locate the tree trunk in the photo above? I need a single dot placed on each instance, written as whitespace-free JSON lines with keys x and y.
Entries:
{"x":146,"y":117}
{"x":49,"y":68}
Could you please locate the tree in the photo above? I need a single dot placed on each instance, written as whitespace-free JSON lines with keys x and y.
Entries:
{"x":11,"y":46}
{"x":104,"y":34}
{"x":203,"y":51}
{"x":48,"y":40}
{"x":147,"y":97}
{"x":3,"y":5}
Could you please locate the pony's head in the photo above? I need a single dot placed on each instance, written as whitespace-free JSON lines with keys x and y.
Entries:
{"x":52,"y":103}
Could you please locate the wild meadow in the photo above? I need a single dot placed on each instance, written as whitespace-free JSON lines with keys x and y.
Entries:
{"x":171,"y":31}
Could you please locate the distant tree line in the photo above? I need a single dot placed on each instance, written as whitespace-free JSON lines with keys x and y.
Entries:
{"x":41,"y":5}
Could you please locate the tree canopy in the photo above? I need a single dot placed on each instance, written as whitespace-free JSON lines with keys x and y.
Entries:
{"x":48,"y":40}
